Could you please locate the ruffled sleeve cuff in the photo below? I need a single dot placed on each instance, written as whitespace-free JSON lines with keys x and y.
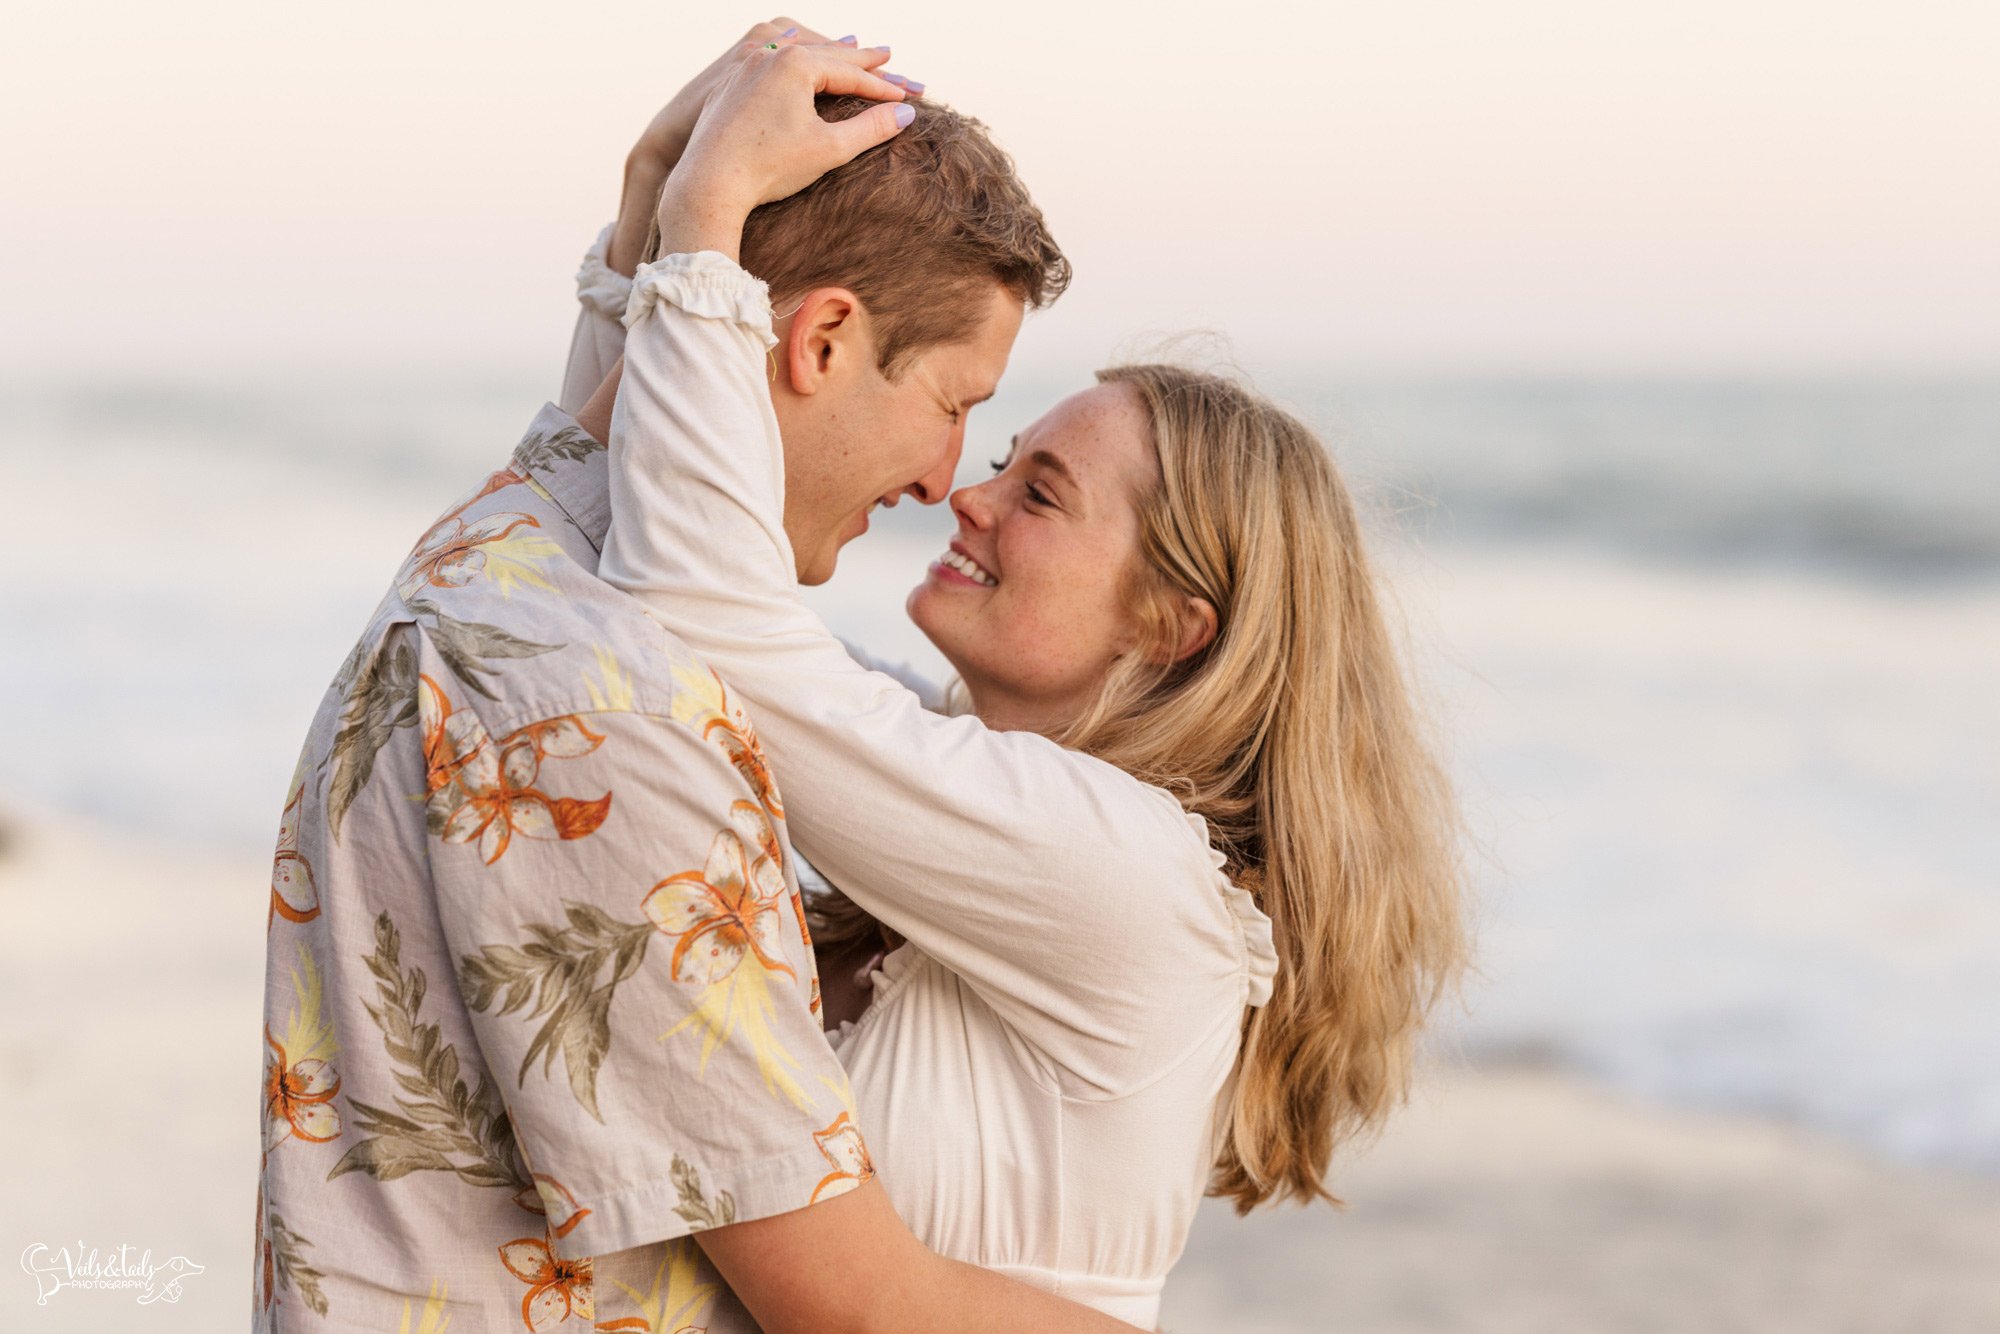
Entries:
{"x":707,"y":284}
{"x":599,"y":287}
{"x":1253,"y":928}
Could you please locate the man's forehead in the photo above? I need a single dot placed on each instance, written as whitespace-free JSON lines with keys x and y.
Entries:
{"x":983,"y":358}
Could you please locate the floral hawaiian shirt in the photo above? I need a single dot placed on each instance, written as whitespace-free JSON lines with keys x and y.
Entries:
{"x":539,"y":998}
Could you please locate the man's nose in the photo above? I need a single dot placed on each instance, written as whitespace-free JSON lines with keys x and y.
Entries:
{"x":935,"y":485}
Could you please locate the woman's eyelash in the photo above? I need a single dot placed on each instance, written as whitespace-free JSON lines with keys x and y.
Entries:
{"x":1035,"y":492}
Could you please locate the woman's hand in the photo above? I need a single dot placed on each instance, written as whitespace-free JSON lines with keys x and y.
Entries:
{"x":666,"y":137}
{"x":660,"y":147}
{"x":760,"y":138}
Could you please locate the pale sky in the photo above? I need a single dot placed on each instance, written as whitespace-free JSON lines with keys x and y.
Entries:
{"x":1547,"y":186}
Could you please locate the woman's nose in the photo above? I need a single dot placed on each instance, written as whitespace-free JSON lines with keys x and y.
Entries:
{"x":971,"y":505}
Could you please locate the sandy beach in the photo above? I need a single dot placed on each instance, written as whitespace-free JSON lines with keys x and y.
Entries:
{"x":1504,"y":1199}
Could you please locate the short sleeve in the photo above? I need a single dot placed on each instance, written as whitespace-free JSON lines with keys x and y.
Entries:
{"x":616,"y":892}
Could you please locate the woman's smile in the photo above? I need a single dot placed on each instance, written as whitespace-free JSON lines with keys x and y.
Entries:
{"x":957,"y":567}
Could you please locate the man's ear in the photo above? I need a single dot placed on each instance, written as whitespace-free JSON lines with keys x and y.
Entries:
{"x":1194,"y":624}
{"x":828,"y":332}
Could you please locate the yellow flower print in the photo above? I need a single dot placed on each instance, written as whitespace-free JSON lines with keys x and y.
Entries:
{"x":454,"y":553}
{"x":703,"y":702}
{"x":557,"y":1289}
{"x":299,"y":1079}
{"x":293,"y":894}
{"x":683,"y":1307}
{"x":485,"y":791}
{"x":433,"y":1319}
{"x":611,"y":691}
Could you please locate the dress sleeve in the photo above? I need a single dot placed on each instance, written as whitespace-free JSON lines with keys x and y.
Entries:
{"x":935,"y":695}
{"x":599,"y":339}
{"x":1081,"y":904}
{"x":615,"y":892}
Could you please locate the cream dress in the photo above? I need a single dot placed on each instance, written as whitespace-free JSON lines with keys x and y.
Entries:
{"x":1039,"y":1073}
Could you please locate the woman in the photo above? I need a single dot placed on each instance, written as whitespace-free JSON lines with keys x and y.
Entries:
{"x":1178,"y":896}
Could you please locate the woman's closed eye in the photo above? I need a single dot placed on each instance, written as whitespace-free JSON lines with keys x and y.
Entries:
{"x":1036,"y":495}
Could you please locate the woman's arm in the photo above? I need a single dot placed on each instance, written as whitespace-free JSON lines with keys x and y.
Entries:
{"x":1031,"y":871}
{"x":849,"y":1264}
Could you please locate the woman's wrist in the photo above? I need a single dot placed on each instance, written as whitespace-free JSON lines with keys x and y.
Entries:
{"x":698,"y":212}
{"x":645,"y":174}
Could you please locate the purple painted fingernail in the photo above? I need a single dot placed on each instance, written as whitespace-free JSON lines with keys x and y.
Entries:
{"x":911,"y":85}
{"x":792,"y":31}
{"x":848,"y":40}
{"x":905,"y":113}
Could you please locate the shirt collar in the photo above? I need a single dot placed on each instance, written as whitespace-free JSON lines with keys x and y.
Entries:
{"x":572,"y":467}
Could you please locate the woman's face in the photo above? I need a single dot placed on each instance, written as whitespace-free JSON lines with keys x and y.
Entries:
{"x":1029,"y":602}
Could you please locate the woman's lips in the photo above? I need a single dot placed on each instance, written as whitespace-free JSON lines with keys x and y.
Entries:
{"x":946,"y":574}
{"x":960,"y":562}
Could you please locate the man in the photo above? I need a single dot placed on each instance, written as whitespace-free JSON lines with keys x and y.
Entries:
{"x":539,"y":1003}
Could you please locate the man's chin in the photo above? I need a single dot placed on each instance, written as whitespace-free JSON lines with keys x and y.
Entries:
{"x":819,"y":570}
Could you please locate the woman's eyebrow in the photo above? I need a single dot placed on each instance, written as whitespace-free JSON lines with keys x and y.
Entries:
{"x":1052,"y":463}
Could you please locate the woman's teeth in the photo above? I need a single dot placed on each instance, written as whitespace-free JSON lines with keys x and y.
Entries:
{"x":968,"y":567}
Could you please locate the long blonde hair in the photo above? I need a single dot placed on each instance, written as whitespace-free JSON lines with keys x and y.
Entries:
{"x":1293,"y":733}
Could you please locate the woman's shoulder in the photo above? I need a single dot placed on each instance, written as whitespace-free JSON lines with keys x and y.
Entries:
{"x":1247,"y":929}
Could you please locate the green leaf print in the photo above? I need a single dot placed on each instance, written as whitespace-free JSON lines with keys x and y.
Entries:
{"x":288,"y":1263}
{"x":556,"y":974}
{"x":465,"y":644}
{"x":567,"y":445}
{"x":694,"y":1206}
{"x":440,"y":1125}
{"x":382,"y":698}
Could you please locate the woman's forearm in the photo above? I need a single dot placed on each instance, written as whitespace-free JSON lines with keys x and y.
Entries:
{"x":645,"y":173}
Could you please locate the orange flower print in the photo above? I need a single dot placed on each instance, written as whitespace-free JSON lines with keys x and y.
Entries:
{"x":548,"y":1196}
{"x":557,"y":1289}
{"x":450,"y":555}
{"x":842,"y":1146}
{"x":730,"y":933}
{"x":499,"y":480}
{"x":294,"y":897}
{"x":299,"y":1078}
{"x":703,"y":702}
{"x":768,"y":866}
{"x":485,"y":791}
{"x":721,"y":914}
{"x":298,"y":1097}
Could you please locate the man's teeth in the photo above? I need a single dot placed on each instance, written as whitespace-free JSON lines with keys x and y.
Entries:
{"x":968,"y":567}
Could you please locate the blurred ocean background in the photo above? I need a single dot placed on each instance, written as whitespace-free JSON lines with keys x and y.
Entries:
{"x":1716,"y":661}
